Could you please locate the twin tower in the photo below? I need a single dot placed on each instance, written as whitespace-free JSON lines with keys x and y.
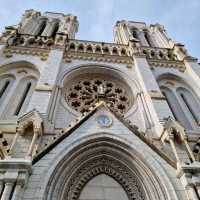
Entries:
{"x":87,"y":120}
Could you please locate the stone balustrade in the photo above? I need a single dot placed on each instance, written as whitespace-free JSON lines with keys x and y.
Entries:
{"x":98,"y":48}
{"x":26,"y":40}
{"x":159,"y":53}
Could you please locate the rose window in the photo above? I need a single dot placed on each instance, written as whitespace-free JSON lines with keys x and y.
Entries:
{"x":84,"y":93}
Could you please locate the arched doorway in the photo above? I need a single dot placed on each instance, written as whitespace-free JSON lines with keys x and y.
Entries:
{"x":103,"y":187}
{"x":102,"y":156}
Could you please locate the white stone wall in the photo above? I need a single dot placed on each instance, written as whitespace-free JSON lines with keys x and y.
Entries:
{"x":44,"y":168}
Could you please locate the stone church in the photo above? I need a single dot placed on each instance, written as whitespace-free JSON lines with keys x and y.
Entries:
{"x":85,"y":120}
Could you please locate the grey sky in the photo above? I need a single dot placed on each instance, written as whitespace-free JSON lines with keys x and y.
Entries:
{"x":181,"y":18}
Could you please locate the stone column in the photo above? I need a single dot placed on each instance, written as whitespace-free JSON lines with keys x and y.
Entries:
{"x":16,"y":193}
{"x":7,"y":191}
{"x":52,"y":107}
{"x":142,"y":38}
{"x":5,"y":108}
{"x":14,"y":142}
{"x":161,"y":38}
{"x":198,"y":189}
{"x":1,"y":186}
{"x":193,"y":72}
{"x":50,"y":26}
{"x":33,"y":142}
{"x":191,"y":193}
{"x":146,"y":117}
{"x":171,"y":140}
{"x":37,"y":28}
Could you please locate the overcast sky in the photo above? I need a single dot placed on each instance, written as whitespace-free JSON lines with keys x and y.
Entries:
{"x":181,"y":18}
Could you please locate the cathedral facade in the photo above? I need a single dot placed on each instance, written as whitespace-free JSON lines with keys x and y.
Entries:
{"x":86,"y":120}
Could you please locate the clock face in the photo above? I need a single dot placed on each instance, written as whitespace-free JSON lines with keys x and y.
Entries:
{"x":104,"y":120}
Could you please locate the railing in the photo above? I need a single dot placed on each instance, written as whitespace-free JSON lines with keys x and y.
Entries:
{"x":97,"y":48}
{"x":159,"y":53}
{"x":26,"y":40}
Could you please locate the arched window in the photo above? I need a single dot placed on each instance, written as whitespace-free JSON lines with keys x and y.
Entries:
{"x":55,"y":30}
{"x":23,"y":97}
{"x":72,"y":46}
{"x":135,"y":33}
{"x":89,"y":49}
{"x":175,"y":107}
{"x":147,"y":38}
{"x":182,"y":100}
{"x":16,"y":86}
{"x":5,"y":84}
{"x":4,"y":88}
{"x":41,"y":27}
{"x":191,"y":103}
{"x":81,"y":47}
{"x":169,"y":103}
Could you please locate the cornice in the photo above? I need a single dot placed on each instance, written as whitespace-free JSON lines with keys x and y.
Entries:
{"x":167,"y":64}
{"x":68,"y":57}
{"x":156,"y":95}
{"x":42,"y":53}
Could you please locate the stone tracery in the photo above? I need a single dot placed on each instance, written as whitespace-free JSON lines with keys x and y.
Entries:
{"x":87,"y":91}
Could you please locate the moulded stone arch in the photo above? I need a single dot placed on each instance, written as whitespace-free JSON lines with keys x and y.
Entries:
{"x":6,"y":82}
{"x":106,"y":154}
{"x":123,"y":74}
{"x":173,"y":84}
{"x":176,"y":77}
{"x":24,"y":73}
{"x":7,"y":75}
{"x":102,"y":69}
{"x":8,"y":65}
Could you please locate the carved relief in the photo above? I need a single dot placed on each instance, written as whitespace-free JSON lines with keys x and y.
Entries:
{"x":108,"y":166}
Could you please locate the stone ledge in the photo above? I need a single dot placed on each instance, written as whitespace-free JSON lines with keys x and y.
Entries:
{"x":16,"y":163}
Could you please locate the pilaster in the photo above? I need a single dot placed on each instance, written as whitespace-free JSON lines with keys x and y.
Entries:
{"x":41,"y":98}
{"x":193,"y":70}
{"x":148,"y":83}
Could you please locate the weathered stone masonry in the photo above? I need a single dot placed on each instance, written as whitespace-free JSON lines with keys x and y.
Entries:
{"x":86,"y":120}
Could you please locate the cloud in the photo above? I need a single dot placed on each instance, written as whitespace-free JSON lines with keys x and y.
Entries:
{"x":97,"y":18}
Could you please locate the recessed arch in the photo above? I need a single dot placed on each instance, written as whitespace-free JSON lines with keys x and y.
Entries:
{"x":182,"y":100}
{"x":133,"y":86}
{"x":20,"y":88}
{"x":109,"y":154}
{"x":16,"y":64}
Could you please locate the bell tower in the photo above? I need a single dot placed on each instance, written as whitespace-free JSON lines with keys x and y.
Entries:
{"x":43,"y":29}
{"x":141,"y":34}
{"x":84,"y":119}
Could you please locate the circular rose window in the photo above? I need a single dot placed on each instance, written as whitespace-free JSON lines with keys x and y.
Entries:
{"x":83,"y":92}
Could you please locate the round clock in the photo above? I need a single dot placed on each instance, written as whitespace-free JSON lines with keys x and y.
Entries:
{"x":104,"y":120}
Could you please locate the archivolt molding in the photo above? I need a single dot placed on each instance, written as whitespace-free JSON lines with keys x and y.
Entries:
{"x":20,"y":65}
{"x":104,"y":155}
{"x":108,"y":166}
{"x":130,"y":85}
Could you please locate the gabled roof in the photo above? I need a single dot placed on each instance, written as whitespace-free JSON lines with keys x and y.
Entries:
{"x":32,"y":117}
{"x":80,"y":120}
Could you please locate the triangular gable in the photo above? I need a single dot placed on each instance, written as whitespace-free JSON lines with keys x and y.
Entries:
{"x":33,"y":117}
{"x":133,"y":129}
